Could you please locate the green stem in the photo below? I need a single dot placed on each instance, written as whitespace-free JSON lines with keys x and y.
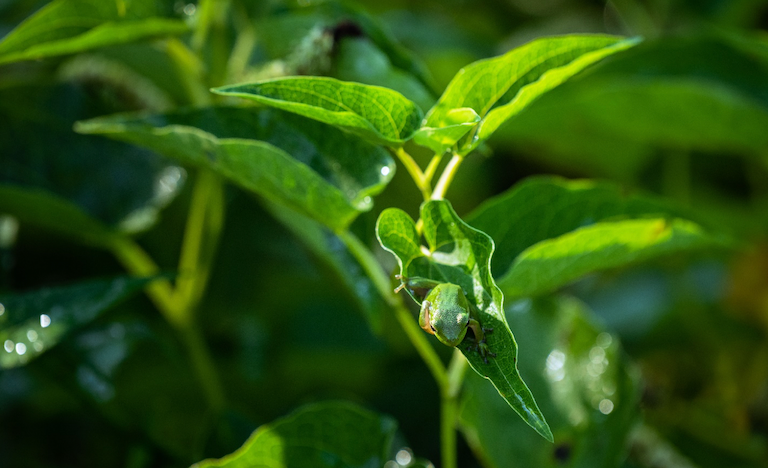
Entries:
{"x":210,"y":13}
{"x":429,"y":172}
{"x":382,"y":283}
{"x":204,"y":223}
{"x":447,"y":177}
{"x":139,"y":263}
{"x":449,"y":408}
{"x":415,"y":171}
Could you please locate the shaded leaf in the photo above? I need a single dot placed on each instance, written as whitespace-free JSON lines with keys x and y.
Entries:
{"x":360,"y":60}
{"x":459,"y":254}
{"x":69,"y":26}
{"x":33,"y":322}
{"x":122,"y":186}
{"x":332,"y":434}
{"x":283,"y":31}
{"x":500,"y":87}
{"x":584,"y":383}
{"x":377,"y":114}
{"x":329,"y":248}
{"x":48,"y":211}
{"x":301,"y":164}
{"x":553,"y":263}
{"x":541,"y":208}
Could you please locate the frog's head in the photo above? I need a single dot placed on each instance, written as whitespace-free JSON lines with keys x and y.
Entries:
{"x":450,"y":314}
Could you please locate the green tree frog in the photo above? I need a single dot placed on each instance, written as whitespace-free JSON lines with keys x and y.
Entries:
{"x":446,"y":313}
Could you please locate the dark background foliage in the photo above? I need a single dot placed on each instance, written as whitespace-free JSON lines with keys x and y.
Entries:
{"x":682,"y":115}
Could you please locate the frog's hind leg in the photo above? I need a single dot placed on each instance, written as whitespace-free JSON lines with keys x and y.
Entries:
{"x":480,"y":344}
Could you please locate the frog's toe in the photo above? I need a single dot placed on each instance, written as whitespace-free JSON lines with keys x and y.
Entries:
{"x":485,"y":351}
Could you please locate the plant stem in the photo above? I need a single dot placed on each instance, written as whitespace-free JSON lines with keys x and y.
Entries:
{"x":449,"y":408}
{"x":447,"y":176}
{"x":204,"y":225}
{"x":429,"y":172}
{"x":417,"y":337}
{"x":139,"y":263}
{"x":415,"y":171}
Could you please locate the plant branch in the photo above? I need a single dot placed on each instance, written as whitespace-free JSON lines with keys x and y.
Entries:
{"x":415,"y":171}
{"x":384,"y":286}
{"x":204,"y":224}
{"x":139,"y":263}
{"x":447,"y":177}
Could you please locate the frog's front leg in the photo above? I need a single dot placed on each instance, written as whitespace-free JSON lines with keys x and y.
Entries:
{"x":480,"y":344}
{"x":425,"y":320}
{"x":416,"y":285}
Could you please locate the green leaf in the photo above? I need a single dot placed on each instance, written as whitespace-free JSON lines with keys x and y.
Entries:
{"x":447,"y":133}
{"x":329,"y":434}
{"x":122,"y":186}
{"x":379,"y":115}
{"x":584,"y":383}
{"x":33,"y":322}
{"x":48,"y":211}
{"x":301,"y":164}
{"x":683,"y":94}
{"x":329,"y":248}
{"x":501,"y":87}
{"x":360,"y":60}
{"x":459,"y":254}
{"x":70,"y":26}
{"x":553,"y":263}
{"x":541,"y":208}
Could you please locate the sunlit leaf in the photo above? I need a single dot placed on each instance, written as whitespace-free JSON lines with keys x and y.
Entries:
{"x":69,"y":26}
{"x":584,"y":383}
{"x":330,"y":434}
{"x":377,"y":114}
{"x":459,"y":254}
{"x":33,"y":322}
{"x":498,"y":88}
{"x":541,"y":208}
{"x":691,"y":94}
{"x":445,"y":134}
{"x":556,"y":262}
{"x":309,"y":167}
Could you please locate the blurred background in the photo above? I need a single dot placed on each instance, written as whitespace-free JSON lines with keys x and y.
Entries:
{"x":684,"y":115}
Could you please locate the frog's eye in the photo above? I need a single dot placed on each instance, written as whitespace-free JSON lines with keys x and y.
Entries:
{"x":433,"y":328}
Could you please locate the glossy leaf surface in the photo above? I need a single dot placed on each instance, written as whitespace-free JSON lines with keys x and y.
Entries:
{"x":70,"y":26}
{"x":540,"y":208}
{"x":551,"y":231}
{"x":301,"y":164}
{"x":330,"y":434}
{"x":459,"y":254}
{"x":689,"y":95}
{"x":553,"y":263}
{"x":585,"y":385}
{"x":377,"y":114}
{"x":500,"y":87}
{"x":33,"y":322}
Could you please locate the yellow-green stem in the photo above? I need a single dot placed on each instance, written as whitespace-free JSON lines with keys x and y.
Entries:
{"x":415,"y":171}
{"x":449,"y":408}
{"x":429,"y":172}
{"x":204,"y":225}
{"x":382,"y":283}
{"x":139,"y":263}
{"x":447,"y":177}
